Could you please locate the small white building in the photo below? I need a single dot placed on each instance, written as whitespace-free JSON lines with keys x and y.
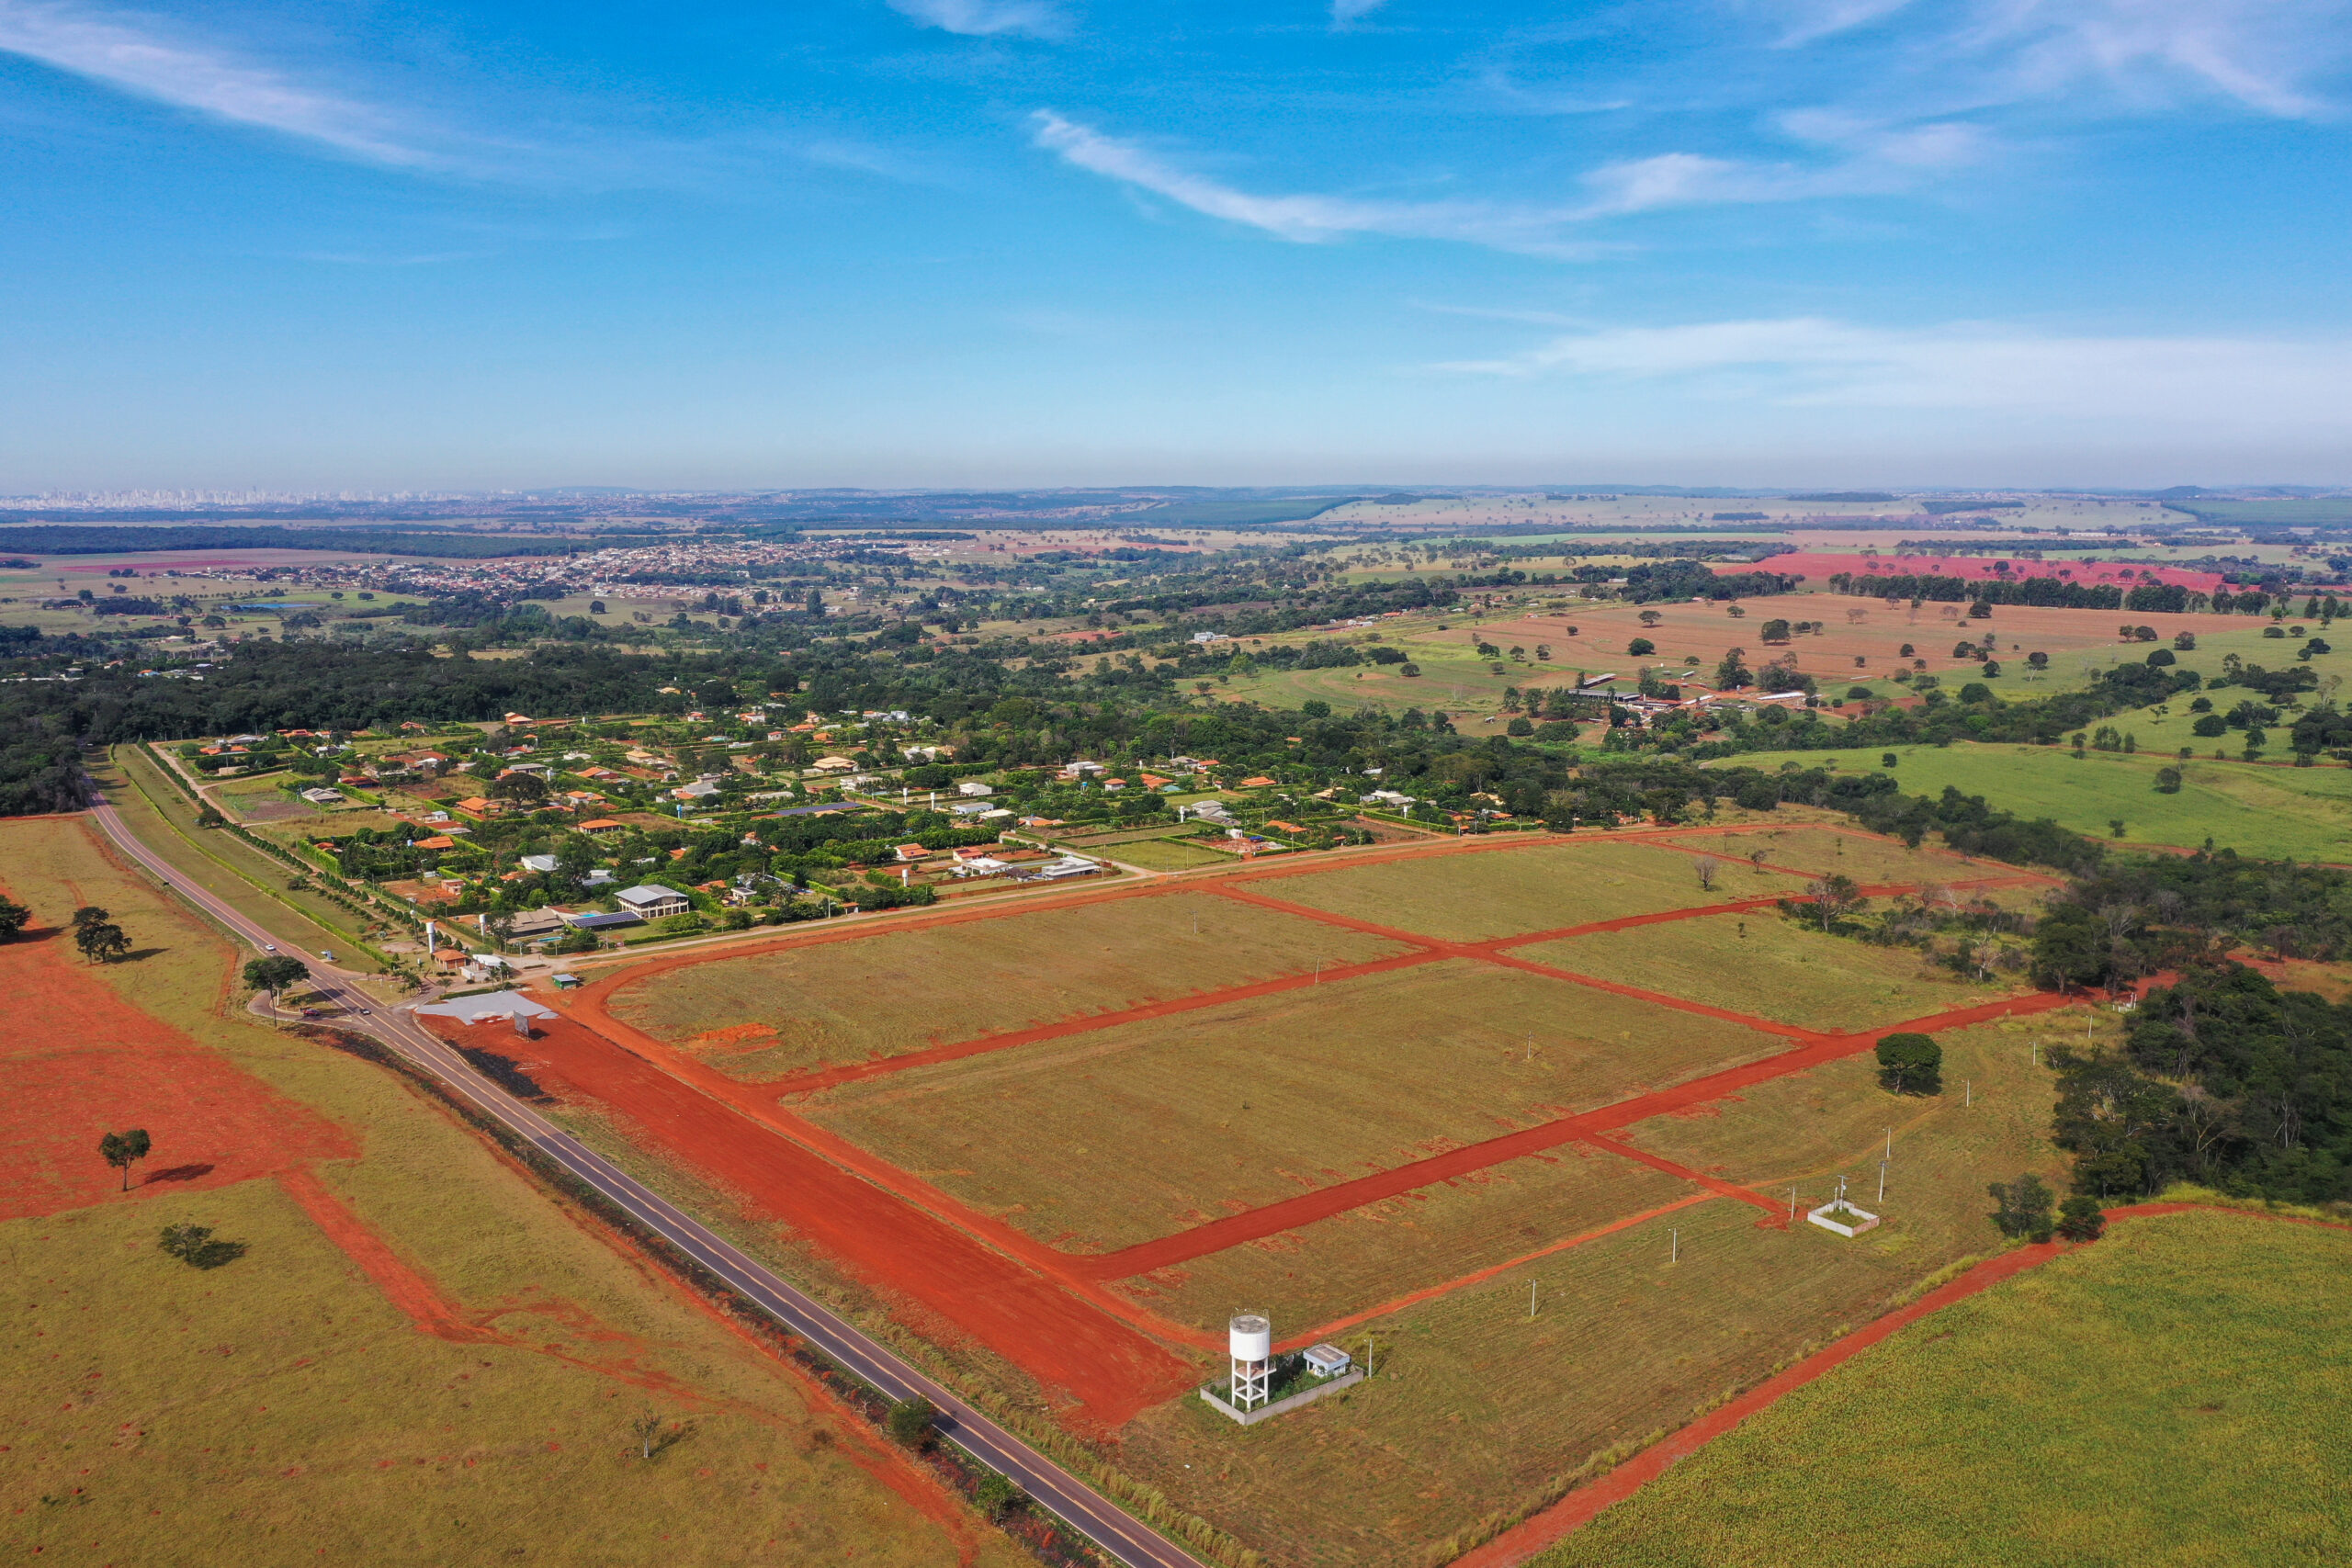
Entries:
{"x":652,"y":901}
{"x":544,"y":864}
{"x":973,"y":788}
{"x":1327,"y":1360}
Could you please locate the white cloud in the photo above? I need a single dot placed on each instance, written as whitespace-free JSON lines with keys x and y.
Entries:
{"x":1800,"y":362}
{"x":2259,"y":52}
{"x":1304,"y":219}
{"x":988,"y":19}
{"x":1872,"y":160}
{"x":1346,"y":11}
{"x":125,"y":54}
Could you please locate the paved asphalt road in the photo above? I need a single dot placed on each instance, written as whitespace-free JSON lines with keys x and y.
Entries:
{"x":1125,"y":1538}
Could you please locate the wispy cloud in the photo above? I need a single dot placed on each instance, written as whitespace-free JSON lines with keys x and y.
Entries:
{"x":1989,"y":368}
{"x":133,"y":55}
{"x":1344,"y":13}
{"x":1868,"y":159}
{"x":1306,"y":220}
{"x":989,"y":18}
{"x":2262,"y":53}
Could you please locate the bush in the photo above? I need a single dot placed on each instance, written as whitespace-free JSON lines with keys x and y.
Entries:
{"x":2209,"y":726}
{"x":2163,"y":656}
{"x":1641,"y":648}
{"x":2079,"y":1220}
{"x":198,"y":1247}
{"x":1520,"y":727}
{"x":2167,"y":781}
{"x":911,"y":1421}
{"x":2023,"y":1207}
{"x":1911,"y":1064}
{"x":1409,"y":668}
{"x":998,"y":1495}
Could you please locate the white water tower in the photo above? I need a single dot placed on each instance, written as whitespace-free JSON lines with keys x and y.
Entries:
{"x":1251,"y":1339}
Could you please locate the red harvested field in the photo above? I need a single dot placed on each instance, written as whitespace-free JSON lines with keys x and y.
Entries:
{"x":86,"y":1063}
{"x":1075,"y":1350}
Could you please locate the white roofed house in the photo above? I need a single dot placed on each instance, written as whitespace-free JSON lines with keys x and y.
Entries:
{"x":652,"y":901}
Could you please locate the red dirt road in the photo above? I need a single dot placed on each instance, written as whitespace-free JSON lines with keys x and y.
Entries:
{"x":1112,"y":1370}
{"x":1581,"y":1506}
{"x":81,"y":1062}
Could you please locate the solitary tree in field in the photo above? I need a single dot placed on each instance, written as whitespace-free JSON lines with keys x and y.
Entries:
{"x":101,"y":939}
{"x":272,"y":974}
{"x":1836,"y":897}
{"x":2023,"y":1207}
{"x":1708,"y":867}
{"x":121,"y":1150}
{"x":1911,"y":1064}
{"x":13,"y":919}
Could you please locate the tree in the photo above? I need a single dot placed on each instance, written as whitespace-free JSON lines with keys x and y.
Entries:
{"x":2079,"y":1219}
{"x":1708,"y":867}
{"x":274,"y":974}
{"x":2167,"y":781}
{"x":1732,"y":672}
{"x":1641,"y":648}
{"x":122,"y":1150}
{"x":198,"y":1247}
{"x":527,"y":789}
{"x":90,"y":915}
{"x":101,"y":940}
{"x":2022,"y":1207}
{"x":998,"y":1495}
{"x":1911,"y":1064}
{"x":13,"y":919}
{"x":911,"y":1421}
{"x":1836,"y":896}
{"x":1650,"y":618}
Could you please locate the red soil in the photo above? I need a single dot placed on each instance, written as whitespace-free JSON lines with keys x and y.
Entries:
{"x":1109,"y":1368}
{"x":1582,"y":1506}
{"x":86,"y":1063}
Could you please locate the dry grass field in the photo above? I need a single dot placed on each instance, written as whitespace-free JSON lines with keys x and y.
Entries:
{"x":2172,"y":1395}
{"x":1478,"y":1404}
{"x":420,"y":1358}
{"x":1479,"y":898}
{"x":1809,"y":1122}
{"x":1108,"y":1138}
{"x":1368,"y":1257}
{"x":1762,"y":963}
{"x":767,"y":1016}
{"x":1821,"y":851}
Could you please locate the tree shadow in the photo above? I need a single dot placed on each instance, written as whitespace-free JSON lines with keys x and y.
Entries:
{"x":671,"y":1438}
{"x":137,"y":954}
{"x":176,"y":1173}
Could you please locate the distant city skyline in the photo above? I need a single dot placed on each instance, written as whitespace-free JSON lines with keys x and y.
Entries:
{"x":938,"y":243}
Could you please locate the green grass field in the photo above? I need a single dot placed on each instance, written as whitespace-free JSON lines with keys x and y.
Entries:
{"x":283,"y":1409}
{"x":1478,"y":898}
{"x":2171,"y":1395}
{"x":1099,"y":1140}
{"x":1764,"y":964}
{"x":900,"y":991}
{"x":2285,"y":812}
{"x":1167,"y":854}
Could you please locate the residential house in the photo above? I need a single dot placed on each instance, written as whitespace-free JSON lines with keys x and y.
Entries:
{"x":652,"y":901}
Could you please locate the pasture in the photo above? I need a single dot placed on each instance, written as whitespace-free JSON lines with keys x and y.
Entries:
{"x":1762,"y":963}
{"x":2178,"y":1375}
{"x":419,"y":1354}
{"x":1516,"y":890}
{"x":1129,"y":1132}
{"x":1392,"y":1156}
{"x":2256,"y":809}
{"x":813,"y":1005}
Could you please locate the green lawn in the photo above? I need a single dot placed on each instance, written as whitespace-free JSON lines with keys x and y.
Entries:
{"x":2305,"y":813}
{"x":2170,"y":1395}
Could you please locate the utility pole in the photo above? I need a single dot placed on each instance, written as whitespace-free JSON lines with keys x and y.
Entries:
{"x":1889,"y":1142}
{"x":1675,"y":1256}
{"x":1971,"y":1093}
{"x":1530,"y":1298}
{"x":1792,"y":1205}
{"x":1882,"y":1181}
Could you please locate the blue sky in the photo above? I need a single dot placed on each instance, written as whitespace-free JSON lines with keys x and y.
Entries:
{"x":915,"y":242}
